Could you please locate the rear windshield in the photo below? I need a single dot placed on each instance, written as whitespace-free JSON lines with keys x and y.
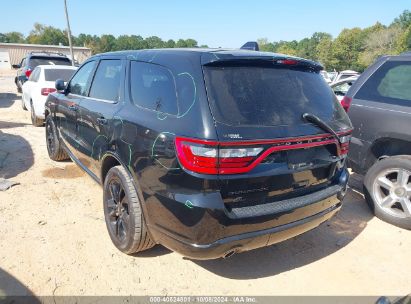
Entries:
{"x":54,"y":74}
{"x":268,"y":96}
{"x":35,"y":61}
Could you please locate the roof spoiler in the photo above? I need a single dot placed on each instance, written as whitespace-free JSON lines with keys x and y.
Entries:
{"x":251,"y":45}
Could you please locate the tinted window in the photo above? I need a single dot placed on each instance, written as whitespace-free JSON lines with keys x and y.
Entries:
{"x":106,"y":83}
{"x":78,"y":85}
{"x":268,"y":96}
{"x":54,"y":74}
{"x":390,"y":83}
{"x":153,"y":87}
{"x":35,"y":61}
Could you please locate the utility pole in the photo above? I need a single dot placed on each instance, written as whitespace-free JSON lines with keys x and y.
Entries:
{"x":69,"y":33}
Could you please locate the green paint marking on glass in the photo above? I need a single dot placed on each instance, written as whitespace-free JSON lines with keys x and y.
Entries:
{"x":189,"y":204}
{"x":195,"y":94}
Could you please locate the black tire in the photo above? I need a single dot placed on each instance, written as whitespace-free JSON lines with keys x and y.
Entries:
{"x":37,"y":122}
{"x":54,"y":149}
{"x":374,"y":192}
{"x":123,"y":214}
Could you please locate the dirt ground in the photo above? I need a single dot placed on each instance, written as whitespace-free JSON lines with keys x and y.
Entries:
{"x":53,"y":239}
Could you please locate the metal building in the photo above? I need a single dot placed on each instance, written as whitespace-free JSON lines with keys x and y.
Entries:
{"x":13,"y":53}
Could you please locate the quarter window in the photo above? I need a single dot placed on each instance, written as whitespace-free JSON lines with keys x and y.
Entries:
{"x":391,"y":83}
{"x":79,"y":83}
{"x":153,"y":87}
{"x":106,"y":83}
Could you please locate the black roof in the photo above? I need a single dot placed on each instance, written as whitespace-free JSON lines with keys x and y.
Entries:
{"x":218,"y":54}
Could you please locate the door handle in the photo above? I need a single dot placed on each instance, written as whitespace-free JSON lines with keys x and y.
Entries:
{"x":102,"y":121}
{"x":72,"y":107}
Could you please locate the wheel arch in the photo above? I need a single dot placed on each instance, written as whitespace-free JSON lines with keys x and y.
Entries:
{"x":385,"y":147}
{"x":110,"y":160}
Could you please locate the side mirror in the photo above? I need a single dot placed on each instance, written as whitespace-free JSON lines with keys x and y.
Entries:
{"x":16,"y":66}
{"x":60,"y":85}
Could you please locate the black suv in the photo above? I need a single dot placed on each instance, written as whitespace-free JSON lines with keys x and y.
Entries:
{"x":208,"y":152}
{"x":379,"y":104}
{"x":32,"y":60}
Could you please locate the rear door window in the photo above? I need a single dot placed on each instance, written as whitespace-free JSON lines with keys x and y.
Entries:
{"x":390,"y":83}
{"x":268,"y":96}
{"x":153,"y":87}
{"x":106,"y":83}
{"x":54,"y":74}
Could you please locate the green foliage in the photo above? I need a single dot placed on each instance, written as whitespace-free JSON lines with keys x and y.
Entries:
{"x":12,"y":37}
{"x":404,"y":41}
{"x":353,"y":49}
{"x":403,"y":20}
{"x":42,"y":34}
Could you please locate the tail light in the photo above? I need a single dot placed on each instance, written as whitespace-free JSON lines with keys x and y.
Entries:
{"x":28,"y":73}
{"x":47,"y":91}
{"x":346,"y":103}
{"x":345,"y":144}
{"x":212,"y":157}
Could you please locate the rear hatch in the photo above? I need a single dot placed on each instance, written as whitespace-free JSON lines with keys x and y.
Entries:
{"x":257,"y":103}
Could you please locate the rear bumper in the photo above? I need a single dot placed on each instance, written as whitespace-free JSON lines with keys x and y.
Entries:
{"x":247,"y":241}
{"x":203,"y":230}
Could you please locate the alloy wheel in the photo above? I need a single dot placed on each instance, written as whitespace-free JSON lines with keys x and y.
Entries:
{"x":392,"y":192}
{"x":50,"y":138}
{"x":118,"y":210}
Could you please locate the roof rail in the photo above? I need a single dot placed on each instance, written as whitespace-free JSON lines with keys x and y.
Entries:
{"x":48,"y":53}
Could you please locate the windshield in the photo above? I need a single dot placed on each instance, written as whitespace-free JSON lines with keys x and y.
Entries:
{"x":269,"y":96}
{"x":35,"y":61}
{"x":54,"y":74}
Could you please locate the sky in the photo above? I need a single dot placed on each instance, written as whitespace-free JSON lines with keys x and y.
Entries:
{"x":223,"y":23}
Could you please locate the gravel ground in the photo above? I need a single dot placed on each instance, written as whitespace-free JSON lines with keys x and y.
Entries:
{"x":53,"y":239}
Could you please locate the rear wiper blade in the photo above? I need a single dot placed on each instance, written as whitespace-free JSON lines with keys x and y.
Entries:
{"x":322,"y":124}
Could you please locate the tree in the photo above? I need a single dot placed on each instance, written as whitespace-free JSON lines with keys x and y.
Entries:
{"x":154,"y":42}
{"x":403,"y":20}
{"x":170,"y":44}
{"x":191,"y":43}
{"x":381,"y":42}
{"x":346,"y":49}
{"x":42,"y":34}
{"x":107,"y":43}
{"x":12,"y":37}
{"x":324,"y":53}
{"x":404,"y":41}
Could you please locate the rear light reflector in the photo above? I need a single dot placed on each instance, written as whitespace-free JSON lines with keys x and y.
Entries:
{"x":346,"y":103}
{"x":212,"y":157}
{"x":47,"y":91}
{"x":28,"y":73}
